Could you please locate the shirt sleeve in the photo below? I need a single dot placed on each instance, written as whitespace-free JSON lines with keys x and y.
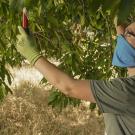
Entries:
{"x":114,"y":96}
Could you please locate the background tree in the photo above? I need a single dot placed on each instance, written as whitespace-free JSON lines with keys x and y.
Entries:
{"x":79,"y":34}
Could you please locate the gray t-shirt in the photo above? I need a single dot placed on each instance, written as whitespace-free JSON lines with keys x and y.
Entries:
{"x":116,"y":100}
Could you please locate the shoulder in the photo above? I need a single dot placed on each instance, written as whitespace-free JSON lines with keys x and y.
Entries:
{"x":115,"y":95}
{"x":115,"y":81}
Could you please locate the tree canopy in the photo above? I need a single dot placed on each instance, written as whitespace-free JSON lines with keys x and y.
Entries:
{"x":80,"y":34}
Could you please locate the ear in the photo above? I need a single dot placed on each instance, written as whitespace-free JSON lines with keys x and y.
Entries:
{"x":120,"y":29}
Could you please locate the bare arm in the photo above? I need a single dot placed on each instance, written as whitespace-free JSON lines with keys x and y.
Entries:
{"x":80,"y":89}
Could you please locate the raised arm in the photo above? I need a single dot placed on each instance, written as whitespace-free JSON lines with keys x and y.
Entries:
{"x":71,"y":87}
{"x":80,"y":89}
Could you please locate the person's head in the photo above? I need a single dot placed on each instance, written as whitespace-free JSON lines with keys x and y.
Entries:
{"x":129,"y":34}
{"x":124,"y":54}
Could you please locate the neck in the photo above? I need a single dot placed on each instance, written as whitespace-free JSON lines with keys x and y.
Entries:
{"x":131,"y":71}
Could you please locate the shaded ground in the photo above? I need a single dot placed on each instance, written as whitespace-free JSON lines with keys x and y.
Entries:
{"x":27,"y":113}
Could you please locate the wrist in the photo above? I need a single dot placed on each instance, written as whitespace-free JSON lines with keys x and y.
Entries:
{"x":35,"y":59}
{"x":39,"y":60}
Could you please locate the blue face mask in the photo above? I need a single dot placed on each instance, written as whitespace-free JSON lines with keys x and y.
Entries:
{"x":124,"y":54}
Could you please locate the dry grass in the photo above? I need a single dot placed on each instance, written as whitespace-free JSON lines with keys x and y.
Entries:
{"x":26,"y":113}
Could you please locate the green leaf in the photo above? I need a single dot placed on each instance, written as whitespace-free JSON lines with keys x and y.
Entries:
{"x":2,"y":92}
{"x":124,"y":9}
{"x":92,"y":106}
{"x":110,"y":5}
{"x":52,"y":97}
{"x":7,"y":89}
{"x":8,"y":75}
{"x":53,"y":21}
{"x":43,"y":80}
{"x":27,"y":3}
{"x":94,"y":6}
{"x":2,"y":73}
{"x":49,"y":4}
{"x":2,"y":45}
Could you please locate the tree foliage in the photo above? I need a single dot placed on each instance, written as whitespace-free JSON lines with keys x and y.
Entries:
{"x":78,"y":33}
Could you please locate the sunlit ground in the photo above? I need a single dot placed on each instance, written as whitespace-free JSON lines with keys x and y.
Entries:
{"x":26,"y":111}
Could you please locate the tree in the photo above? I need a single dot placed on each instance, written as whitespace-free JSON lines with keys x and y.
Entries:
{"x":79,"y":34}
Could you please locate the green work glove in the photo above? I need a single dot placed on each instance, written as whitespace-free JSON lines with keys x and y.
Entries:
{"x":26,"y":45}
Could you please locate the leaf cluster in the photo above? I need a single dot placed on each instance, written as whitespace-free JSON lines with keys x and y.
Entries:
{"x":79,"y":34}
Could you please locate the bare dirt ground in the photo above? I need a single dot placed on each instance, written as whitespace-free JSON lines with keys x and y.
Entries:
{"x":26,"y":112}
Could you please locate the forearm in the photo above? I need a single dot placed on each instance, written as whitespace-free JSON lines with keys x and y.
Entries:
{"x":55,"y":76}
{"x":80,"y":89}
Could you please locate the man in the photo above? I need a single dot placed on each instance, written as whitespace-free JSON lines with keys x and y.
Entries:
{"x":115,"y":98}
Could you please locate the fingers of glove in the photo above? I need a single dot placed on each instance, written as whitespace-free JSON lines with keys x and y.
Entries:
{"x":19,"y":37}
{"x":20,"y":41}
{"x":19,"y":48}
{"x":22,"y":31}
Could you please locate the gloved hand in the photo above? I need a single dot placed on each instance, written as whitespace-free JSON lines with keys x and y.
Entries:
{"x":26,"y":45}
